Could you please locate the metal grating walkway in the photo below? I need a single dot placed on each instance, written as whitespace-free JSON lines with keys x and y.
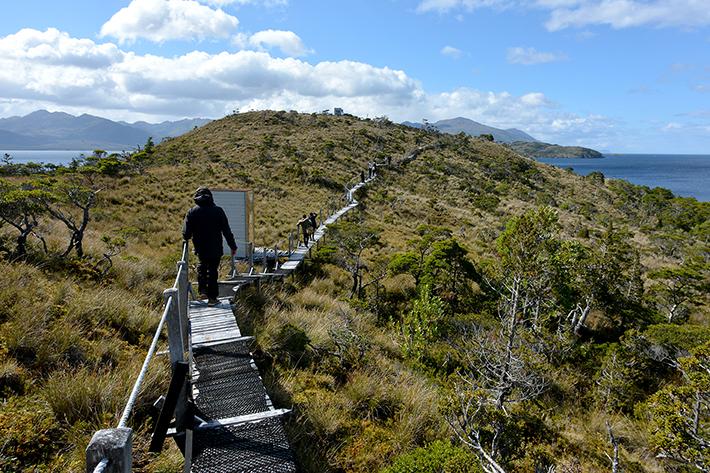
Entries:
{"x":240,"y":430}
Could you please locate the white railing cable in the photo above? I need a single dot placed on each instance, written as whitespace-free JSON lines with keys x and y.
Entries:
{"x":144,"y":369}
{"x":151,"y":351}
{"x":101,"y":466}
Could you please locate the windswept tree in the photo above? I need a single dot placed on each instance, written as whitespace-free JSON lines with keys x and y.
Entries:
{"x":680,"y":414}
{"x":21,"y":208}
{"x":413,"y":261}
{"x":437,"y":260}
{"x":350,"y":240}
{"x":676,"y":289}
{"x":72,"y":198}
{"x":502,"y":369}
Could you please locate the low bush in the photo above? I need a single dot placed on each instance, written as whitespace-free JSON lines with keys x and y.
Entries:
{"x":438,"y":457}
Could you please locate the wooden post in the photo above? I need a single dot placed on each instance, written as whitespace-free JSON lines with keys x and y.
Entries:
{"x":113,"y":445}
{"x":177,"y":349}
{"x":250,"y":249}
{"x":170,"y":405}
{"x":290,"y":243}
{"x":182,"y":296}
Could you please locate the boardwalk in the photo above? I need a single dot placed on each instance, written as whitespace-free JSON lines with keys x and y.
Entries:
{"x":240,"y":429}
{"x":223,"y":417}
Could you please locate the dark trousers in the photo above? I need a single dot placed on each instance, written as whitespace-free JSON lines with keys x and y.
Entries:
{"x":207,"y":276}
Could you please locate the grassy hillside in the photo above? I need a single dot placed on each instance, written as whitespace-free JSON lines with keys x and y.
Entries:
{"x":374,"y":380}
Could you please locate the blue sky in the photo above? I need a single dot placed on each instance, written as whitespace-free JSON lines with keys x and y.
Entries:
{"x":617,"y":75}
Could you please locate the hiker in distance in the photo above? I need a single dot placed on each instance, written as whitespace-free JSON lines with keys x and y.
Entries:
{"x":205,"y":223}
{"x":305,"y":224}
{"x":313,"y":220}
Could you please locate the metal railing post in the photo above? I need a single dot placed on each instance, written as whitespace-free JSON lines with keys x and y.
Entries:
{"x":276,"y":258}
{"x":290,"y":243}
{"x":250,"y":250}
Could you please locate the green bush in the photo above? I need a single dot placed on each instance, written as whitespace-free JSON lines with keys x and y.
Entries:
{"x":437,"y":457}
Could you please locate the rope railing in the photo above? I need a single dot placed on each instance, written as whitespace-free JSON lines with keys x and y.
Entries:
{"x":101,"y":467}
{"x":109,"y":443}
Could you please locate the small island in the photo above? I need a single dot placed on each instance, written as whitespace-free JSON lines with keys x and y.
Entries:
{"x":537,"y":149}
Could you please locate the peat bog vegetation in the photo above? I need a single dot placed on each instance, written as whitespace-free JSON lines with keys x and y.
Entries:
{"x":478,"y":312}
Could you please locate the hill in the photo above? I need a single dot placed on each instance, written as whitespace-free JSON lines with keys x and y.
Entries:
{"x":58,"y":130}
{"x":457,"y":125}
{"x":546,"y":150}
{"x":471,"y":255}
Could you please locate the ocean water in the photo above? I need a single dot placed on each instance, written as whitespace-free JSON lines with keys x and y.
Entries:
{"x":684,"y":174}
{"x":45,"y":156}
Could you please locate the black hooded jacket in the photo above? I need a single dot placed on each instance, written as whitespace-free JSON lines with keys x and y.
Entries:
{"x":205,"y":223}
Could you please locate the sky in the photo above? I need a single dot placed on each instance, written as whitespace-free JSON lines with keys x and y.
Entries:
{"x":627,"y":76}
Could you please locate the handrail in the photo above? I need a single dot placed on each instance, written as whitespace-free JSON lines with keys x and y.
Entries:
{"x":170,"y":301}
{"x":144,"y":368}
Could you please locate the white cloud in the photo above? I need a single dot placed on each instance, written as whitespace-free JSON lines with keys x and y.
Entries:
{"x":452,"y":52}
{"x":672,"y":126}
{"x":266,"y":3}
{"x":127,"y":85}
{"x":530,"y":56}
{"x":162,"y":20}
{"x":55,"y":47}
{"x":581,"y":13}
{"x":443,"y":6}
{"x":630,"y":13}
{"x":287,"y":41}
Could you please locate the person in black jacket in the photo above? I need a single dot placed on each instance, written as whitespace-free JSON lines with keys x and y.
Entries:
{"x":205,"y":223}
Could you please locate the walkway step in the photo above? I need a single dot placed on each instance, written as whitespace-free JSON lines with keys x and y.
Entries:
{"x":247,"y":448}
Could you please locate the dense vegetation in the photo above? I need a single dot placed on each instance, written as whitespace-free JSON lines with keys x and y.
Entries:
{"x":479,"y":312}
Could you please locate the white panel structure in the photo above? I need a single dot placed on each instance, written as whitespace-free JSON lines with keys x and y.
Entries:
{"x":238,"y":205}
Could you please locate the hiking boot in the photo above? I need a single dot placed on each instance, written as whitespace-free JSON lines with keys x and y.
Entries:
{"x":202,"y":297}
{"x":212,"y":302}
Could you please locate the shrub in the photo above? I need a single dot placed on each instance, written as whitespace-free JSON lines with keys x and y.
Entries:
{"x":290,"y":343}
{"x":437,"y":457}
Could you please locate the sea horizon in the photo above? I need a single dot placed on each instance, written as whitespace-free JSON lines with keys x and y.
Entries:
{"x":684,"y":174}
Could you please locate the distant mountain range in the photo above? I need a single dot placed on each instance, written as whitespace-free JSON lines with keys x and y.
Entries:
{"x":59,"y":130}
{"x":470,"y":127}
{"x":517,"y":140}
